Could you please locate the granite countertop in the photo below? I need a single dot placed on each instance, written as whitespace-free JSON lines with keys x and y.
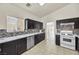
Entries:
{"x":11,"y":38}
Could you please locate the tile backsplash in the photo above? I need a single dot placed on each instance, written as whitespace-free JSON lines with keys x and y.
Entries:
{"x":76,"y":31}
{"x":4,"y":33}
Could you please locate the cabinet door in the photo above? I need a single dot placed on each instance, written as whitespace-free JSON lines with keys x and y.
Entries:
{"x":30,"y":24}
{"x":1,"y":49}
{"x":38,"y":25}
{"x":77,"y":44}
{"x":21,"y":46}
{"x":42,"y":36}
{"x":41,"y":25}
{"x":76,"y":24}
{"x":39,"y":38}
{"x":9,"y":48}
{"x":57,"y":40}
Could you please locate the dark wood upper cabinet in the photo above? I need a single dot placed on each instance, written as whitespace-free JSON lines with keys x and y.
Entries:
{"x":32,"y":24}
{"x":76,"y":26}
{"x":75,"y":20}
{"x":38,"y":25}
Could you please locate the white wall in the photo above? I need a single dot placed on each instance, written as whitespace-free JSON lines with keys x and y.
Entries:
{"x":7,"y":9}
{"x":69,"y":11}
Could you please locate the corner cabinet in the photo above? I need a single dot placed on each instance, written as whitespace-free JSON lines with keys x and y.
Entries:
{"x":57,"y":41}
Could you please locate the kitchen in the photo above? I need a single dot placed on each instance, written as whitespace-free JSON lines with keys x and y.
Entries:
{"x":26,"y":30}
{"x":15,"y":40}
{"x":68,"y":33}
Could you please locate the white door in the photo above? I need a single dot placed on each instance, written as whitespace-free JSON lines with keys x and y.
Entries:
{"x":50,"y":32}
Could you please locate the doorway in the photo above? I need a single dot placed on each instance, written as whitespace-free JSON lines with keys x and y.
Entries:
{"x":50,"y":32}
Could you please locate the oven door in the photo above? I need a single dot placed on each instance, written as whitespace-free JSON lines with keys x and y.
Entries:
{"x":69,"y":40}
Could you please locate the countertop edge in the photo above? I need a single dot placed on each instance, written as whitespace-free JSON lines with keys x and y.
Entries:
{"x":7,"y":39}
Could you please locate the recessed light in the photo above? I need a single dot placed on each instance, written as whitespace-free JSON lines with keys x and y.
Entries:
{"x":41,"y":4}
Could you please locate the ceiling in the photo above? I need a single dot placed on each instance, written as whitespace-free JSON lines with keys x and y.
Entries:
{"x":41,"y":11}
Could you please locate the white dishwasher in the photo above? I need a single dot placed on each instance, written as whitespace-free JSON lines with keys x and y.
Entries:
{"x":30,"y":42}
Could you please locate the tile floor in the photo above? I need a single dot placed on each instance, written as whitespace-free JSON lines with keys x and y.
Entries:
{"x":48,"y":48}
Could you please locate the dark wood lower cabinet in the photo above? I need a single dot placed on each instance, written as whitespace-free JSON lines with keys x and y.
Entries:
{"x":57,"y":41}
{"x":39,"y":38}
{"x":77,"y":44}
{"x":15,"y":47}
{"x":19,"y":46}
{"x":9,"y":48}
{"x":1,"y":53}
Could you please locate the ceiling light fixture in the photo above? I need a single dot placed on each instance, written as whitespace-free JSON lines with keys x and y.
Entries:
{"x":28,"y":4}
{"x":41,"y":4}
